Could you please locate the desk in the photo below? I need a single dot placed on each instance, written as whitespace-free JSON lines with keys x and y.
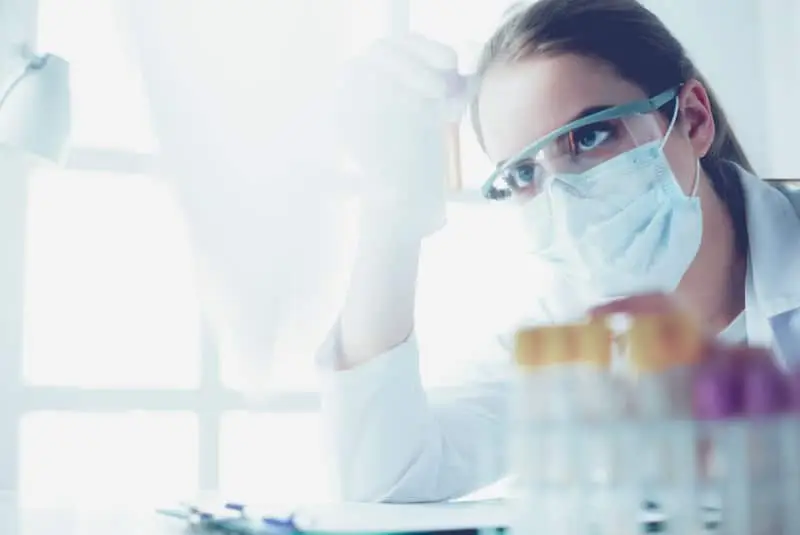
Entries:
{"x":338,"y":518}
{"x":65,"y":522}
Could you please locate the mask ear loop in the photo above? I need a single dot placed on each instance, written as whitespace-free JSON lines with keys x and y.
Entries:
{"x":696,"y":185}
{"x":671,"y":123}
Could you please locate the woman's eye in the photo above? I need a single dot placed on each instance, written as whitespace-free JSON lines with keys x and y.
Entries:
{"x":586,"y":139}
{"x":521,"y":175}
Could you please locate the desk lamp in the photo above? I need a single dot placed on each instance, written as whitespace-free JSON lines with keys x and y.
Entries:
{"x":35,"y":114}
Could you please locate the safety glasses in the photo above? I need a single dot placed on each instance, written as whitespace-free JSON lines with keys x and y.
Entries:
{"x":579,"y":146}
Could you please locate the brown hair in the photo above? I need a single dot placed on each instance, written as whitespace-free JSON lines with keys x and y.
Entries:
{"x":630,"y":38}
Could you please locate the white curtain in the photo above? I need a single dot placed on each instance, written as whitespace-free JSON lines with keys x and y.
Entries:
{"x":227,"y":82}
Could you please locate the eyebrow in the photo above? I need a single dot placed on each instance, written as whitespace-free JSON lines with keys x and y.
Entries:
{"x":580,"y":115}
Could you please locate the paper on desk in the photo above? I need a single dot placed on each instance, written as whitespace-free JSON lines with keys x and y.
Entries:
{"x":388,"y":518}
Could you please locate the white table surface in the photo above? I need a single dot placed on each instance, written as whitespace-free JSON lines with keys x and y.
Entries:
{"x":326,"y":517}
{"x":15,"y":521}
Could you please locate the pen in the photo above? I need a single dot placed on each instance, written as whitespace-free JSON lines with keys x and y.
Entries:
{"x":278,"y":526}
{"x":241,"y":524}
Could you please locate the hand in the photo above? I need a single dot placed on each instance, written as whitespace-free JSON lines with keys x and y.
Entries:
{"x":729,"y":383}
{"x":653,"y":303}
{"x":731,"y":380}
{"x":392,"y":107}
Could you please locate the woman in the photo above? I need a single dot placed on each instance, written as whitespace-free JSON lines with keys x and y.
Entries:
{"x":629,"y":180}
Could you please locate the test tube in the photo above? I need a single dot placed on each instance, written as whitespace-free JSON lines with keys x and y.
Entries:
{"x":460,"y":91}
{"x":452,"y":142}
{"x":766,"y":402}
{"x":663,"y":351}
{"x":790,"y":454}
{"x":558,"y":366}
{"x":745,"y":397}
{"x":717,"y":400}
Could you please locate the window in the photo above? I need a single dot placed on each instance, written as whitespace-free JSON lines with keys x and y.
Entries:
{"x":110,"y":302}
{"x":120,"y":385}
{"x":294,"y":463}
{"x":107,"y":459}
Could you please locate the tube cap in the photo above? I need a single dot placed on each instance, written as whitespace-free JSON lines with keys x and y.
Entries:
{"x":588,"y":343}
{"x":658,"y":342}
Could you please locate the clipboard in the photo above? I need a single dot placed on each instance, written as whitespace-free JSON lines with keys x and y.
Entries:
{"x":449,"y":518}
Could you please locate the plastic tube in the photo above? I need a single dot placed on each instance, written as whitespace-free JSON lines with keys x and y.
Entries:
{"x":745,"y":400}
{"x":561,"y":370}
{"x":663,"y":351}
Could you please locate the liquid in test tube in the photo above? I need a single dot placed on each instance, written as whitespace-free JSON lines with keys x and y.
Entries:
{"x":461,"y":89}
{"x":452,"y":142}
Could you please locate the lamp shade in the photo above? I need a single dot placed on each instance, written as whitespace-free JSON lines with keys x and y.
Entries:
{"x":35,"y":114}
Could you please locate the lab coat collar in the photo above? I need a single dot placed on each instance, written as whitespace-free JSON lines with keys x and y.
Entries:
{"x":774,"y":240}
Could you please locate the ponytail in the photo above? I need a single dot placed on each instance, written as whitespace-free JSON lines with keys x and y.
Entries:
{"x":725,"y":146}
{"x":720,"y":164}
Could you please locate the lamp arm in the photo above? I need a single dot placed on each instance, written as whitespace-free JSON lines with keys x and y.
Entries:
{"x":35,"y":64}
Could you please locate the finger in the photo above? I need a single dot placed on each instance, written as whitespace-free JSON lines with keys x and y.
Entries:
{"x":410,"y":72}
{"x":655,"y":303}
{"x":442,"y":59}
{"x":372,"y":85}
{"x":432,"y":53}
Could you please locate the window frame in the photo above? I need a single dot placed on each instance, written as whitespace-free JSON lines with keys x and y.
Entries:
{"x":209,"y":401}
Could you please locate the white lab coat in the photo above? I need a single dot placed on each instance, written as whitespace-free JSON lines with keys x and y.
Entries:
{"x":393,"y":442}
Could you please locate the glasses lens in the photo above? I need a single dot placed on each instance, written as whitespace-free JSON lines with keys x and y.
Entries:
{"x":575,"y":152}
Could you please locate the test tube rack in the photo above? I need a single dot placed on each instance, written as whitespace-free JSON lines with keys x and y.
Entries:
{"x":606,"y":438}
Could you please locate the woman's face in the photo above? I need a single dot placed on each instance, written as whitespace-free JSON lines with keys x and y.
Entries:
{"x":521,"y":102}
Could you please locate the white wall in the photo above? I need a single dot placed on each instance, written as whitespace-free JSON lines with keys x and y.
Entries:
{"x":748,"y":51}
{"x":781,"y":74}
{"x":17,"y":27}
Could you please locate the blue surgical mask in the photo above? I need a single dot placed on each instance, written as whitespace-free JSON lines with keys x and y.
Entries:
{"x":622,"y":228}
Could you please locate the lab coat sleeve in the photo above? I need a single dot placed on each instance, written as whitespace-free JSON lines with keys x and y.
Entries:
{"x":391,"y":441}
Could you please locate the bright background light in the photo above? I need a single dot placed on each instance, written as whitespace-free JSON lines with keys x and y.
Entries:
{"x":117,"y":393}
